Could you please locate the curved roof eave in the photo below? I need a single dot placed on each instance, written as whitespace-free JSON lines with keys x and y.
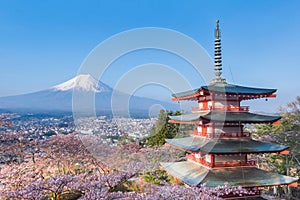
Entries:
{"x":226,"y":89}
{"x":219,"y":116}
{"x":224,"y":146}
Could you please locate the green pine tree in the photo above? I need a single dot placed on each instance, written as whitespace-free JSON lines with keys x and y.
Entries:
{"x":162,"y":129}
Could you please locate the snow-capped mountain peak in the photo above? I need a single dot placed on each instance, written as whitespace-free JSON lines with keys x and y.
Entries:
{"x":83,"y":82}
{"x":60,"y":98}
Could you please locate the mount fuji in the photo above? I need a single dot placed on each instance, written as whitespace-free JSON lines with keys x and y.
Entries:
{"x":83,"y":83}
{"x":59,"y":98}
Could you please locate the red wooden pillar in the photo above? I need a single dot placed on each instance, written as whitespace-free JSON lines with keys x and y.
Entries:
{"x":212,"y":160}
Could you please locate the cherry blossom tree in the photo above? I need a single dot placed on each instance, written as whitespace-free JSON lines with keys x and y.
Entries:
{"x":78,"y":167}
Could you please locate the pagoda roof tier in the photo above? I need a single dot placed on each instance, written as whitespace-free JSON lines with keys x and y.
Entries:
{"x":221,"y":116}
{"x":195,"y":175}
{"x":223,"y":88}
{"x":224,"y":146}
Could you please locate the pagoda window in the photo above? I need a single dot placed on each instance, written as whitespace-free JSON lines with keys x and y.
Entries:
{"x":199,"y":129}
{"x":197,"y":155}
{"x":209,"y":131}
{"x":201,"y":106}
{"x":208,"y":158}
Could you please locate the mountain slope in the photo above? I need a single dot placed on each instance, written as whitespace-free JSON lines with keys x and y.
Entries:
{"x":59,"y":98}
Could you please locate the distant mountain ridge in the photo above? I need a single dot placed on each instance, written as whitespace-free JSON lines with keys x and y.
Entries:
{"x":59,"y":98}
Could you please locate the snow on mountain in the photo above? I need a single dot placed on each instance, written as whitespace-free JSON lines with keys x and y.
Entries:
{"x":60,"y":98}
{"x":82,"y":82}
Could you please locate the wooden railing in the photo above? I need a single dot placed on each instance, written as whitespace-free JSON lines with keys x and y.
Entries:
{"x":224,"y":108}
{"x":223,"y":135}
{"x":196,"y":133}
{"x":235,"y":163}
{"x":235,"y":135}
{"x":233,"y":108}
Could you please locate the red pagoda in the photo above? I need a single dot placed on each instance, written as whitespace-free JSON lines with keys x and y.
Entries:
{"x":217,"y":151}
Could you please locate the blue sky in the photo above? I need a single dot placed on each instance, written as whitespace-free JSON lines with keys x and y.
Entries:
{"x":43,"y":43}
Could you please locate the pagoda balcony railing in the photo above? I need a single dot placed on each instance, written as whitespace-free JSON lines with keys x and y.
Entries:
{"x":232,"y":163}
{"x":223,"y":108}
{"x":223,"y":135}
{"x":195,"y":132}
{"x":235,"y":135}
{"x":235,"y":163}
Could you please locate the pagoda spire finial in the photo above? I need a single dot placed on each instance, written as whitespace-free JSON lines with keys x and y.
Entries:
{"x":218,"y":57}
{"x":217,"y":34}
